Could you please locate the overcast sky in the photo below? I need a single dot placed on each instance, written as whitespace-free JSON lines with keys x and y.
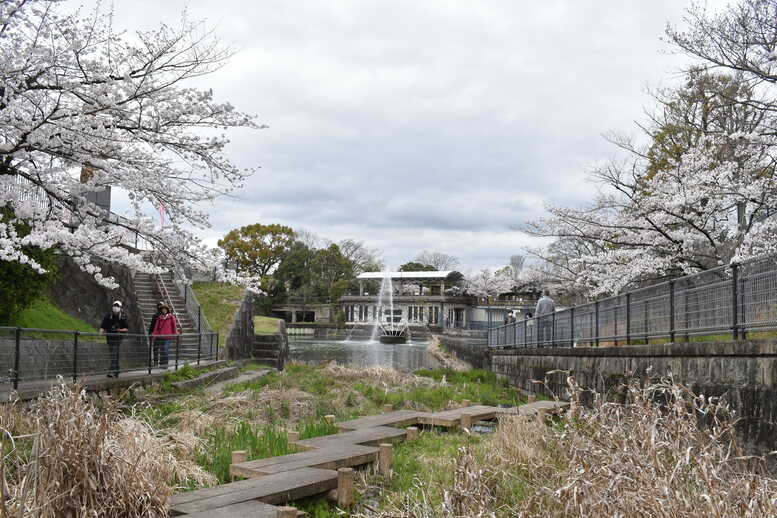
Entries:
{"x":434,"y":124}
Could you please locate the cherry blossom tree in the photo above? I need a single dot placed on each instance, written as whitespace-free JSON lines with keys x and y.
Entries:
{"x":83,"y":109}
{"x":485,"y":284}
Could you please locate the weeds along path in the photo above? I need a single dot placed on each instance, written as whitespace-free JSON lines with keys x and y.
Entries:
{"x":247,"y":377}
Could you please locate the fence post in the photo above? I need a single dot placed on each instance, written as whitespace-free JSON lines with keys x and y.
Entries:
{"x":671,"y":311}
{"x":596,"y":322}
{"x":17,"y":351}
{"x":75,"y":355}
{"x":199,"y":319}
{"x":177,"y":349}
{"x":628,"y":319}
{"x":572,"y":326}
{"x":525,"y":326}
{"x":686,"y":321}
{"x":735,"y":301}
{"x":553,"y":328}
{"x":743,"y":315}
{"x":199,"y":346}
{"x":150,"y":356}
{"x":217,"y":344}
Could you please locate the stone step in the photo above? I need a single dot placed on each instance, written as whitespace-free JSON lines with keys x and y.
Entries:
{"x":265,"y":353}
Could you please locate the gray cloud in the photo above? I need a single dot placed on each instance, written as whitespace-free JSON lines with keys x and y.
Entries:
{"x":414,"y":125}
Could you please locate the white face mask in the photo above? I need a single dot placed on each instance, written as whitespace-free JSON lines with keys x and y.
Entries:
{"x":116,"y":309}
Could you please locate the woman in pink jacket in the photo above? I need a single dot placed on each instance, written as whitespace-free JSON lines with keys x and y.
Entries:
{"x":165,"y":329}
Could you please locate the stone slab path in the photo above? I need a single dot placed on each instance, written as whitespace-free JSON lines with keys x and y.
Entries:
{"x":312,"y":471}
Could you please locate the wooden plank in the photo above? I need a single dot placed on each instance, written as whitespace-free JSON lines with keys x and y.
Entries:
{"x":397,"y":419}
{"x":451,"y":418}
{"x":271,"y":489}
{"x":249,"y":509}
{"x":362,"y":436}
{"x":336,"y":457}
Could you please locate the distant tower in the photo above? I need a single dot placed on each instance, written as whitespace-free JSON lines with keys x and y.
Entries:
{"x":516,"y":263}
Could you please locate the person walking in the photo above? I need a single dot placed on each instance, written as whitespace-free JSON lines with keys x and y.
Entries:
{"x":509,"y":318}
{"x":165,"y":329}
{"x":545,"y":306}
{"x":113,"y":325}
{"x":154,"y":345}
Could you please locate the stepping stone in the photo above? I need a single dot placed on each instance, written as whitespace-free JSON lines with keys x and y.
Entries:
{"x":362,"y":436}
{"x":398,"y":419}
{"x":452,"y":418}
{"x":271,"y":489}
{"x":331,"y":458}
{"x":250,"y":509}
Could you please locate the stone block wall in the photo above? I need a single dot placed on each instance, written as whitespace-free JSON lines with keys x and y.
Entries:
{"x":744,"y":371}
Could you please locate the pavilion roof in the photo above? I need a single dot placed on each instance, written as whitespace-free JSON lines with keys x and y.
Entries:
{"x":448,"y":276}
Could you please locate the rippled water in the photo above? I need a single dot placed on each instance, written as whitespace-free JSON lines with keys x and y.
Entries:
{"x":407,"y":357}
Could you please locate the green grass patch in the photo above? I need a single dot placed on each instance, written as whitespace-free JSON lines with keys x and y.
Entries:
{"x":265,"y":325}
{"x":220,"y":302}
{"x":187,"y":372}
{"x":260,"y":442}
{"x":316,"y":428}
{"x":44,"y":314}
{"x":259,"y":384}
{"x":479,"y":386}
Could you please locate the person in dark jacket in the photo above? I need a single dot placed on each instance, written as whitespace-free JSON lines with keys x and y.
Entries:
{"x":155,"y":346}
{"x":113,"y":325}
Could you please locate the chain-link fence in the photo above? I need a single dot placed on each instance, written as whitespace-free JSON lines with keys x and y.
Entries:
{"x":728,"y":302}
{"x":39,"y":354}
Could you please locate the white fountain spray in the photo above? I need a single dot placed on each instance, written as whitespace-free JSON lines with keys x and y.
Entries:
{"x":386,"y":288}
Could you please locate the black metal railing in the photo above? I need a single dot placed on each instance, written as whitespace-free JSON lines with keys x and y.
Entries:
{"x":728,"y":302}
{"x":39,"y":354}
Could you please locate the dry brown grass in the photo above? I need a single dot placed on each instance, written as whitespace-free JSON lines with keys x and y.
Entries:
{"x":470,"y":496}
{"x":378,"y":374}
{"x":81,"y":461}
{"x":647,"y":456}
{"x":660,"y":452}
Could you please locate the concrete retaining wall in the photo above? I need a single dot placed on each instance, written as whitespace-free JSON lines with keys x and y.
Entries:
{"x":744,"y":371}
{"x":470,"y":349}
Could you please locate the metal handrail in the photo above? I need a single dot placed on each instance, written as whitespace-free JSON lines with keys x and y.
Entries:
{"x":193,"y":307}
{"x":66,"y":357}
{"x":737,"y":298}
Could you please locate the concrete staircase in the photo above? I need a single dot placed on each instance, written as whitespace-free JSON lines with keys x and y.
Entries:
{"x":149,"y":290}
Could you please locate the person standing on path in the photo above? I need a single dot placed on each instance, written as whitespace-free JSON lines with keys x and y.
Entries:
{"x":155,"y":346}
{"x":165,"y":329}
{"x":113,"y":325}
{"x":545,"y":306}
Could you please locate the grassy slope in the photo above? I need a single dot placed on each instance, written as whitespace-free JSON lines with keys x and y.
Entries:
{"x":219,"y":303}
{"x":44,"y":314}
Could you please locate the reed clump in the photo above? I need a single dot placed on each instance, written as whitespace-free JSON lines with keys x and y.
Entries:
{"x":82,"y":461}
{"x":661,"y":451}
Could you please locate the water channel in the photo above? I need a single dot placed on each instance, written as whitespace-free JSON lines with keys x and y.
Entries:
{"x":409,"y":356}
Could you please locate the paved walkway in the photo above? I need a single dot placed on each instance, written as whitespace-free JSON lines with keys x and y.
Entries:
{"x":312,"y":471}
{"x":31,"y":389}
